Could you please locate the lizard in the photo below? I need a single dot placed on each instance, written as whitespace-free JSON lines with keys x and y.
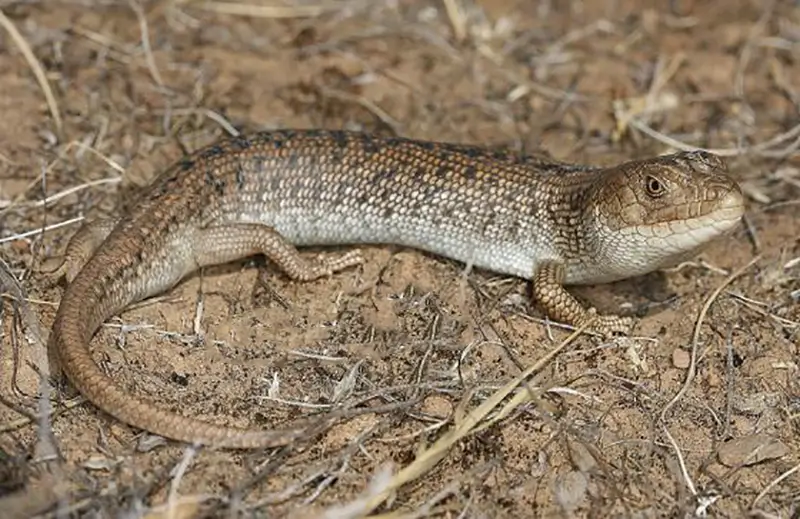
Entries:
{"x":550,"y":222}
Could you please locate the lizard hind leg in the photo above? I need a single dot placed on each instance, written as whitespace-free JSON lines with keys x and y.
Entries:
{"x":234,"y":241}
{"x":79,"y":249}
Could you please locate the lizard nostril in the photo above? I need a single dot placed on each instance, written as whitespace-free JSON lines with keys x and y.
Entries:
{"x":717,"y":191}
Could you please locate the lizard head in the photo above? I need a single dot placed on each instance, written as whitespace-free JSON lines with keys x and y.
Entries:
{"x":652,"y":213}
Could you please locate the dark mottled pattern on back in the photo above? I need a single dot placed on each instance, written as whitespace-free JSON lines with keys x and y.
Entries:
{"x":336,"y":187}
{"x":513,"y":214}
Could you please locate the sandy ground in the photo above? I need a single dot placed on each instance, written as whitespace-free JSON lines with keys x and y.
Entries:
{"x":698,"y":411}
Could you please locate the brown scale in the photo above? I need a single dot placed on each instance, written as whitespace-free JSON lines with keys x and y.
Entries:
{"x":550,"y":222}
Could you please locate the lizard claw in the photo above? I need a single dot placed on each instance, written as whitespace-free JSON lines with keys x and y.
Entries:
{"x":610,"y":325}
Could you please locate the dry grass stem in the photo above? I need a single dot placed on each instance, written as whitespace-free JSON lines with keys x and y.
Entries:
{"x":262,"y":11}
{"x":421,"y":365}
{"x":35,"y":67}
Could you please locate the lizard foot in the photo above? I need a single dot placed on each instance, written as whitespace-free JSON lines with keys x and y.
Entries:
{"x":609,"y":325}
{"x":327,"y":265}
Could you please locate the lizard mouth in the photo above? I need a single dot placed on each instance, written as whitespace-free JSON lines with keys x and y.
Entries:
{"x":687,"y":234}
{"x":721,"y":220}
{"x":638,"y":249}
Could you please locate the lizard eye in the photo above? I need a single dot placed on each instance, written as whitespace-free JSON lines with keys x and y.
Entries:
{"x":654,"y":186}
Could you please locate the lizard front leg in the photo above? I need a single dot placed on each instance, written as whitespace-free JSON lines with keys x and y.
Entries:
{"x":560,"y":305}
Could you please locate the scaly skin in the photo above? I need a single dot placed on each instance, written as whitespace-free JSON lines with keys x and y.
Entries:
{"x":553,"y":223}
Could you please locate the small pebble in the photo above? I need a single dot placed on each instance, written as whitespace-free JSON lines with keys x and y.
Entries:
{"x":681,"y":358}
